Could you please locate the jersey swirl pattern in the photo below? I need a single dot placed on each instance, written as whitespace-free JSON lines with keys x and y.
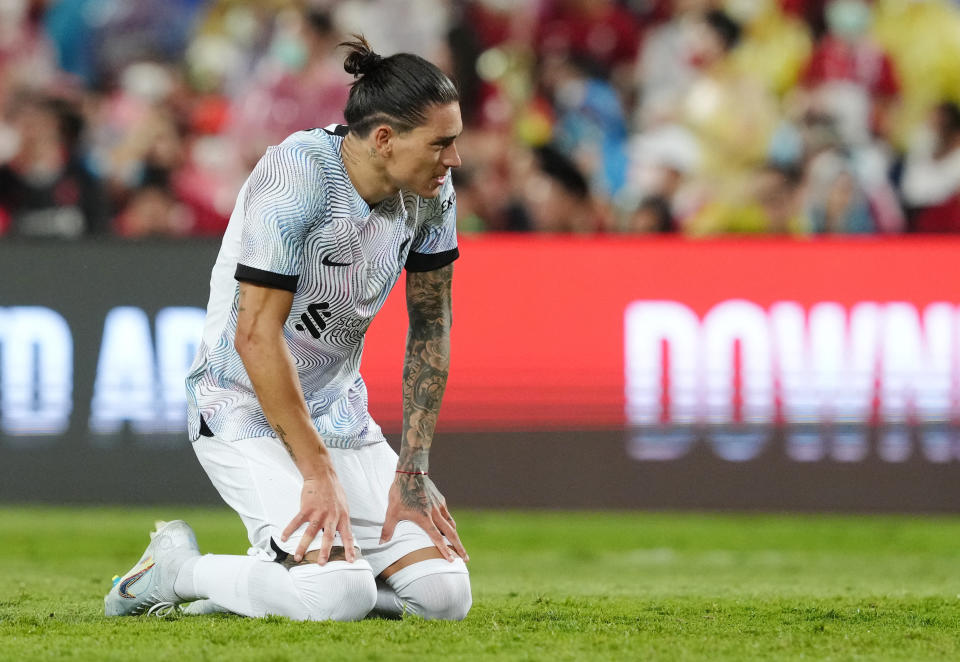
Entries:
{"x":300,"y":225}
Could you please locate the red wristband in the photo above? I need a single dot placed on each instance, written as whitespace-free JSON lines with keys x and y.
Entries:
{"x":413,"y":473}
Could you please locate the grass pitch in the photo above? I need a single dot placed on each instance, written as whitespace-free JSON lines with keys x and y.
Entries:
{"x":547,"y":586}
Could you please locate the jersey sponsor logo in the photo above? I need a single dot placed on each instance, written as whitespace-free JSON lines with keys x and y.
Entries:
{"x":446,"y":204}
{"x":139,"y":572}
{"x":313,"y":320}
{"x":443,"y":207}
{"x":327,"y":262}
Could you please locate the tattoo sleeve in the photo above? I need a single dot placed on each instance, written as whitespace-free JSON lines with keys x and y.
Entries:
{"x":426,"y":363}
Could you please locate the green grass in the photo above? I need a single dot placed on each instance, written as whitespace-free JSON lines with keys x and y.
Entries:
{"x":547,"y":586}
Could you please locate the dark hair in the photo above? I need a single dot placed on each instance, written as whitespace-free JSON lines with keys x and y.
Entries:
{"x":726,"y":28}
{"x":70,"y":123}
{"x":558,"y":167}
{"x":950,"y":112}
{"x":320,"y":21}
{"x":791,"y":173}
{"x":659,"y":207}
{"x":395,"y":90}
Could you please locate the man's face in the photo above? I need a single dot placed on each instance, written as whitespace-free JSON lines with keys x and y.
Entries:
{"x":419,"y":159}
{"x":777,"y":197}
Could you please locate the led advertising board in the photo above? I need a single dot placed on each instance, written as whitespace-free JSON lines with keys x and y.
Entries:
{"x":660,"y":354}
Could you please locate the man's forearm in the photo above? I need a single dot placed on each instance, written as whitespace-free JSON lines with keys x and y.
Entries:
{"x":426,"y":364}
{"x":275,"y":381}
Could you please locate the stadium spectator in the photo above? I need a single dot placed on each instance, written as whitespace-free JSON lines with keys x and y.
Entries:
{"x":771,"y":204}
{"x":602,"y":31}
{"x":45,"y":189}
{"x":775,"y":46}
{"x":660,"y":186}
{"x":730,"y":112}
{"x":27,"y":56}
{"x":725,"y":115}
{"x":835,"y":201}
{"x":557,"y":195}
{"x":407,"y":26}
{"x":665,"y":67}
{"x":589,"y":127}
{"x":851,"y":83}
{"x":835,"y":198}
{"x":931,"y":178}
{"x":652,"y":215}
{"x":299,"y":81}
{"x":850,"y":76}
{"x":921,"y":39}
{"x":213,"y":83}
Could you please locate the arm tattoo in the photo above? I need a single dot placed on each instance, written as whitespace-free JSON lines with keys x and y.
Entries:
{"x":413,"y":492}
{"x":282,"y":435}
{"x":425,"y":366}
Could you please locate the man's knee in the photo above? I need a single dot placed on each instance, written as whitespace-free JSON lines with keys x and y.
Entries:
{"x":443,"y":597}
{"x":434,"y":589}
{"x":337,"y":591}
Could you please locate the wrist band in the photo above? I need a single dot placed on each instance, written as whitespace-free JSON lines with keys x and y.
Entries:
{"x":413,"y":473}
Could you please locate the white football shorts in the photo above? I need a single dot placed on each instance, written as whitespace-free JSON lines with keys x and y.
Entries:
{"x":259,"y":480}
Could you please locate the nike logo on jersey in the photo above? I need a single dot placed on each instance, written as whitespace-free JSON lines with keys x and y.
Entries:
{"x":132,"y":579}
{"x":327,"y":262}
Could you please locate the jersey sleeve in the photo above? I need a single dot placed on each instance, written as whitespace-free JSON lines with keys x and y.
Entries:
{"x":435,"y":242}
{"x":282,"y":203}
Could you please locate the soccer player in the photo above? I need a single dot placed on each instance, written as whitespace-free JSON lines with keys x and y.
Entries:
{"x":338,"y":523}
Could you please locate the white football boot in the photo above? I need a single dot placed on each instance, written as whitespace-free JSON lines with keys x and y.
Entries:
{"x":148,"y":586}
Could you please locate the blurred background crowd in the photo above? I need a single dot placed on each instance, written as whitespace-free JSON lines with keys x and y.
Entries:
{"x":699,"y":117}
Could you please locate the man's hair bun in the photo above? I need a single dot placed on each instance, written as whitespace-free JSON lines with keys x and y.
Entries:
{"x":396,"y":90}
{"x":361,"y":60}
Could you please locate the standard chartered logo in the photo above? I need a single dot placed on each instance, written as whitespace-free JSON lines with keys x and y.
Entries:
{"x":825,"y":374}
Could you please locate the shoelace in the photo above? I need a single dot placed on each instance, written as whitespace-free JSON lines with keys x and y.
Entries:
{"x":162,"y":609}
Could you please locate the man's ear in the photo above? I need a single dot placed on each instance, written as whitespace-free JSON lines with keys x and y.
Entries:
{"x":383,"y":139}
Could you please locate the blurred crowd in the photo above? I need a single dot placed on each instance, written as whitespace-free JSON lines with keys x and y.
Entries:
{"x":699,"y":117}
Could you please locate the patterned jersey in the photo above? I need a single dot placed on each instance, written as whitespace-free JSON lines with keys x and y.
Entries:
{"x":300,"y":225}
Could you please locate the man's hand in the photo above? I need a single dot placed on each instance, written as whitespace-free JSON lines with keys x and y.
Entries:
{"x":323,"y":506}
{"x":415,"y":498}
{"x":259,"y":341}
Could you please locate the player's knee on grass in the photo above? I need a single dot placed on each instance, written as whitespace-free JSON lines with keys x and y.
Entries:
{"x":434,"y":589}
{"x":443,"y":597}
{"x":337,"y":591}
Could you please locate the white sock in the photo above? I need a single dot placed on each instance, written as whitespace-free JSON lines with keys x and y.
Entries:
{"x":184,"y":585}
{"x":388,"y":602}
{"x":204,"y":607}
{"x":244,"y":585}
{"x":337,"y":591}
{"x":432,"y":589}
{"x":253,"y":587}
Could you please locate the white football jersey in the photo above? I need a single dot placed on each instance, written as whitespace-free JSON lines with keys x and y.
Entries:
{"x":300,"y":225}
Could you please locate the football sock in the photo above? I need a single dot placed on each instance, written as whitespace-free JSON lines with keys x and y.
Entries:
{"x":337,"y":591}
{"x":433,"y":589}
{"x":184,"y":585}
{"x":253,"y":587}
{"x":244,"y":585}
{"x":204,"y":607}
{"x":388,"y":602}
